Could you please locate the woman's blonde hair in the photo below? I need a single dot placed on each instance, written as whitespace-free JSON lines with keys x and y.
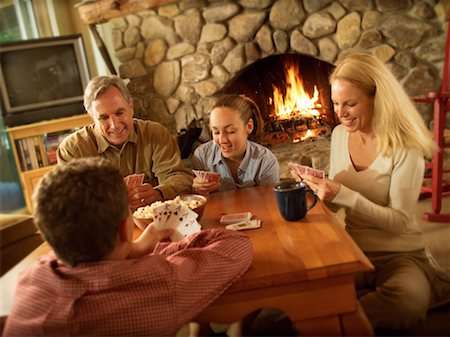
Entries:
{"x":396,"y":122}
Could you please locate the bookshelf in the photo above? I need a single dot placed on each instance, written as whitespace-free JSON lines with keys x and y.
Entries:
{"x":34,"y":148}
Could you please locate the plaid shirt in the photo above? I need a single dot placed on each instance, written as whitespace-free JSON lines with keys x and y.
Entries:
{"x":153,"y":295}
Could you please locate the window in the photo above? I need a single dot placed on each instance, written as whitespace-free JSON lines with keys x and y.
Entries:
{"x":17,"y":22}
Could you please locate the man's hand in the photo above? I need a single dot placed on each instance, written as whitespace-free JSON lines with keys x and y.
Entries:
{"x":146,"y":242}
{"x":203,"y":186}
{"x":142,"y":195}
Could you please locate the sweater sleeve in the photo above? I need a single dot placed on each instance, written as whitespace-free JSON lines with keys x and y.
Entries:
{"x":405,"y":183}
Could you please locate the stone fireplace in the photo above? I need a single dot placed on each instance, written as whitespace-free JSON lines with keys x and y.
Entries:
{"x":180,"y":56}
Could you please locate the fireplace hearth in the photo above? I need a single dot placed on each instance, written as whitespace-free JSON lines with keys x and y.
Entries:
{"x":293,"y":94}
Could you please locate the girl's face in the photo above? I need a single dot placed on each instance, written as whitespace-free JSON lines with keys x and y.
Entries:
{"x":352,"y":105}
{"x":229,"y":132}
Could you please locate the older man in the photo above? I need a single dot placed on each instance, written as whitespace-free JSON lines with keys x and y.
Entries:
{"x":133,"y":145}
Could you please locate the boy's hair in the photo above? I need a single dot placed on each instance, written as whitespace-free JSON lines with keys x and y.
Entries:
{"x":79,"y":206}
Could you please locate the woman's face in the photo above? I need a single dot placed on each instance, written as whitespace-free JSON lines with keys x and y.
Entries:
{"x":352,"y":105}
{"x":229,"y":132}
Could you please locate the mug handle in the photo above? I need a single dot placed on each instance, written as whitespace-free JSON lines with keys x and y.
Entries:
{"x":314,"y":197}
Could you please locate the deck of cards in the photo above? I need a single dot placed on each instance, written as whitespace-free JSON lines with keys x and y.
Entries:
{"x":240,"y":221}
{"x":210,"y":176}
{"x":134,"y":180}
{"x":177,"y":215}
{"x":306,"y":170}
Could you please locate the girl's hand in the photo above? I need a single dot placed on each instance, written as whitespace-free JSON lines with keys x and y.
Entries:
{"x":324,"y":188}
{"x":202,"y":186}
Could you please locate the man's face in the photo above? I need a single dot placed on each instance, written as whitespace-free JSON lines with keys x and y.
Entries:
{"x":113,"y":116}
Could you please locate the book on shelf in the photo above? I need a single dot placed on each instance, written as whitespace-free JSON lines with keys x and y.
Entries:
{"x":21,"y":154}
{"x":39,"y":151}
{"x":51,"y":142}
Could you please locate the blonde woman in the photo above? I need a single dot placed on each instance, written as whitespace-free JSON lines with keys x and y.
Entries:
{"x":234,"y":121}
{"x":376,"y":172}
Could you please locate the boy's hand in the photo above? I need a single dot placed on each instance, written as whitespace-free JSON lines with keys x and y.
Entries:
{"x":147,"y":241}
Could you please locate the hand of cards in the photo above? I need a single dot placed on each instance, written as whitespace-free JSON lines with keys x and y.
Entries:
{"x":306,"y":170}
{"x":177,"y":215}
{"x":210,"y":176}
{"x":134,"y":180}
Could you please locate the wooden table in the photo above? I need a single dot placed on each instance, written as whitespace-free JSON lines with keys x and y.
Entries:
{"x":304,"y":268}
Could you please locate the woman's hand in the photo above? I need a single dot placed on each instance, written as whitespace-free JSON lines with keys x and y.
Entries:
{"x":203,"y":186}
{"x":142,"y":195}
{"x":324,"y":188}
{"x":146,"y":242}
{"x":296,"y":176}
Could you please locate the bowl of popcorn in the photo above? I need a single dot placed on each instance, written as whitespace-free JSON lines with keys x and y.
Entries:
{"x":196,"y":202}
{"x":143,"y":217}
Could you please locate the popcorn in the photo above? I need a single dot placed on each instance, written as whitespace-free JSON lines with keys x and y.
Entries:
{"x":146,"y":212}
{"x":143,"y":212}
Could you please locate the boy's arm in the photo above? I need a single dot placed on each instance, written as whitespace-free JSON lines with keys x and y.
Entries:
{"x":204,"y":266}
{"x":147,"y":241}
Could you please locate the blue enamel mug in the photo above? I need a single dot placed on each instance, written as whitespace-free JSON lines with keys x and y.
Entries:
{"x":292,"y":201}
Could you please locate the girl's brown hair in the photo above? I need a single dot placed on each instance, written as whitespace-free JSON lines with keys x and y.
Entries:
{"x":247,"y":109}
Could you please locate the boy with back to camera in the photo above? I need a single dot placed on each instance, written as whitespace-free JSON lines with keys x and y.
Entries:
{"x":101,"y":282}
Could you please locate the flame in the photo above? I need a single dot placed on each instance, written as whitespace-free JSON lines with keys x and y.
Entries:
{"x":297,"y":101}
{"x":308,"y":134}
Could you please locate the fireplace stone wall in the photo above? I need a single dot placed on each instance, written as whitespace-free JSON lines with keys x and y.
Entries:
{"x":179,"y":56}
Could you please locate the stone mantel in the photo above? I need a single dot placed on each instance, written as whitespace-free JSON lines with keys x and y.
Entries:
{"x":100,"y":11}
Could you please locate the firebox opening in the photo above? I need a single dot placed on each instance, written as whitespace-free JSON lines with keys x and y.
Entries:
{"x":293,"y":94}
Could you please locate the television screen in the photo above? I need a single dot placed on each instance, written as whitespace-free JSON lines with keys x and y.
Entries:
{"x":42,"y":79}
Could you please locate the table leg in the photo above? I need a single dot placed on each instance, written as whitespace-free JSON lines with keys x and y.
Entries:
{"x":356,"y":323}
{"x":321,"y":326}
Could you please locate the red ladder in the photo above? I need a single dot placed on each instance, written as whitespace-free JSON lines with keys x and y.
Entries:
{"x":441,"y":105}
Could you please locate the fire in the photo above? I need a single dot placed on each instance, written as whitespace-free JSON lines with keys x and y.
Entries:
{"x":296,"y":102}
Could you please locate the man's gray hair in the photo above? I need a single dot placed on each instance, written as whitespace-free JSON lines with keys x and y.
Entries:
{"x":98,"y":85}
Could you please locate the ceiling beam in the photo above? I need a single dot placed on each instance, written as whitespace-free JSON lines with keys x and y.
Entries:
{"x":100,"y":11}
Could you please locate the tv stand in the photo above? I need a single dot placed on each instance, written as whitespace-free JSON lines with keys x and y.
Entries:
{"x":34,"y":146}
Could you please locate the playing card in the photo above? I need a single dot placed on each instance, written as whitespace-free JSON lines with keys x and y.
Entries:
{"x":315,"y":173}
{"x":177,"y":215}
{"x":198,"y":173}
{"x":185,"y":229}
{"x":135,"y":179}
{"x":240,"y":226}
{"x":302,"y":170}
{"x":210,"y":176}
{"x":299,"y":169}
{"x":235,"y":217}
